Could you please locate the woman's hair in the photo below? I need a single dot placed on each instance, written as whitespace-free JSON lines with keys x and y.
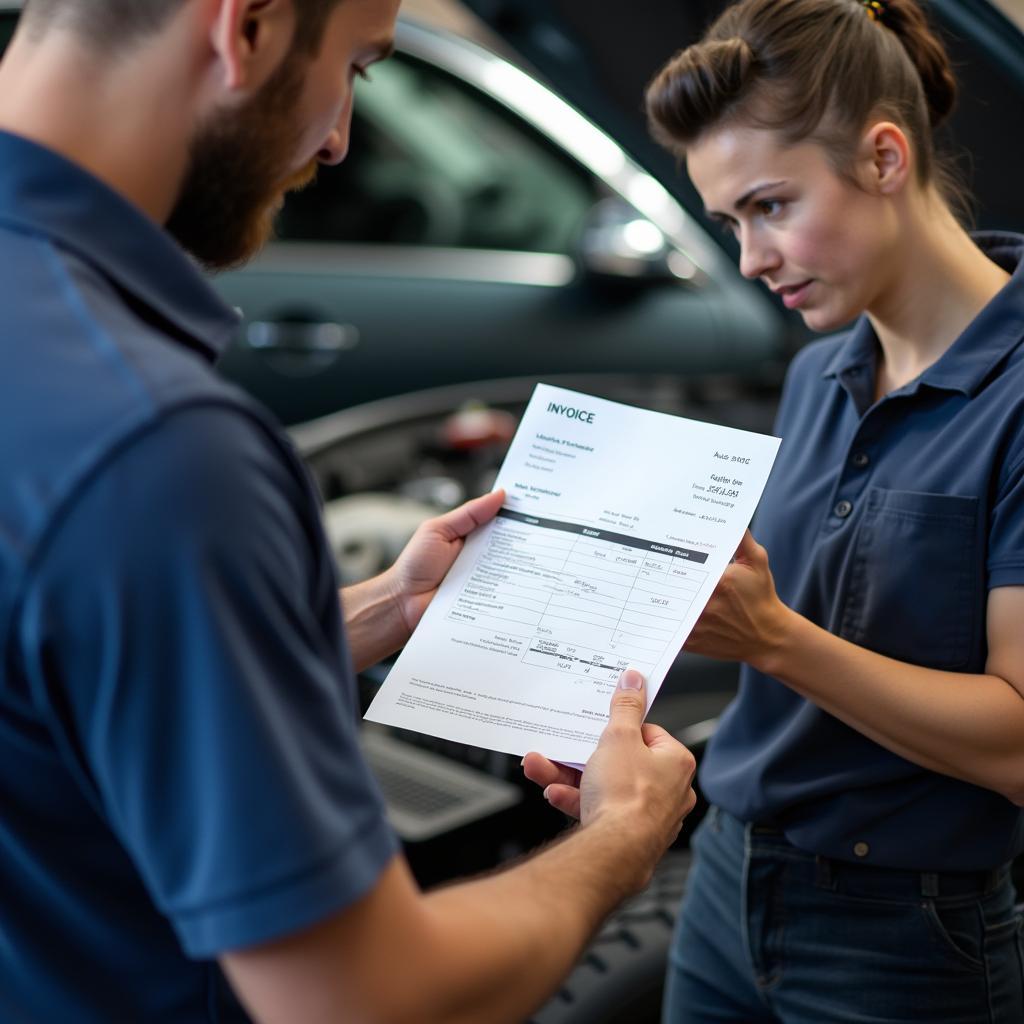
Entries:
{"x":812,"y":70}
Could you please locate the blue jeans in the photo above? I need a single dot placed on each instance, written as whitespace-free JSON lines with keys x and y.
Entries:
{"x":768,"y":933}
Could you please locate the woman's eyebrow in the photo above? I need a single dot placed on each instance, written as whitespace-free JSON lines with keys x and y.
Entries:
{"x":744,"y":199}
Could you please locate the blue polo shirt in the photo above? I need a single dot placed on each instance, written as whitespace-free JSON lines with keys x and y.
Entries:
{"x":179,"y":773}
{"x":886,"y":523}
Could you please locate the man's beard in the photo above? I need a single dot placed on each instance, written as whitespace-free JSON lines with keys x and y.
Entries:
{"x":239,"y":170}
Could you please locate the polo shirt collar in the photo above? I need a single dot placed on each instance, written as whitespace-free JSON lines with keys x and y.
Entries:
{"x":44,"y":193}
{"x":995,"y":332}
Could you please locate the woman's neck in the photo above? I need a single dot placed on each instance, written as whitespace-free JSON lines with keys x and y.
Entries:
{"x":940,"y":282}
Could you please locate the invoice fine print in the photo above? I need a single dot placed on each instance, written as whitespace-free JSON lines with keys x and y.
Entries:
{"x":619,"y":522}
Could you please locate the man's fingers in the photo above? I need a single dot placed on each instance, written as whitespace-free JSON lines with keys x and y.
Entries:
{"x":543,"y":772}
{"x":467,"y":517}
{"x":564,"y":798}
{"x":629,"y":701}
{"x":654,"y":736}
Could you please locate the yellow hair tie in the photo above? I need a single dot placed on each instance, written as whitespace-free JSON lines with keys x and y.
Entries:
{"x":875,"y":9}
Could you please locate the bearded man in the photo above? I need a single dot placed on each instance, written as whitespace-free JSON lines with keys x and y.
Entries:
{"x":187,"y":830}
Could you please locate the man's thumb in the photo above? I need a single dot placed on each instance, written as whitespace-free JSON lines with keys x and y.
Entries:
{"x":629,"y":701}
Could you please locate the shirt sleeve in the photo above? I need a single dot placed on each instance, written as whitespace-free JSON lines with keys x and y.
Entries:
{"x":1006,"y":534}
{"x":182,"y":634}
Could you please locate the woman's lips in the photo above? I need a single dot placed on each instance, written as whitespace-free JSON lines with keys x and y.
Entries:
{"x":793,"y":295}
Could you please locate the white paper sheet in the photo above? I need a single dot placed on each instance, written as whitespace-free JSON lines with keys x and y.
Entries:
{"x":618,"y":525}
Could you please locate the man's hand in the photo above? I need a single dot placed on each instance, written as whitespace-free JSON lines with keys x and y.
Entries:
{"x":381,"y":613}
{"x":638,"y":773}
{"x":744,"y":620}
{"x":417,"y":573}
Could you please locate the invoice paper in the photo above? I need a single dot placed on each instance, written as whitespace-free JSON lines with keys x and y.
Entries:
{"x":618,"y":524}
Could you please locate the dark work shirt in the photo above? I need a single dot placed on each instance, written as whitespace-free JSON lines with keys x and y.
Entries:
{"x":179,"y":774}
{"x":887,"y":523}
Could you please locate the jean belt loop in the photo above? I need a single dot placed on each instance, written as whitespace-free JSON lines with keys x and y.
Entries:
{"x":994,"y":879}
{"x":825,"y":876}
{"x":929,"y":884}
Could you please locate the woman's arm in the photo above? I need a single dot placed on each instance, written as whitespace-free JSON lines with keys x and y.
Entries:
{"x":969,"y":726}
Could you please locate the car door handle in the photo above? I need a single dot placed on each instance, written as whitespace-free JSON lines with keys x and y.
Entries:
{"x":299,"y":337}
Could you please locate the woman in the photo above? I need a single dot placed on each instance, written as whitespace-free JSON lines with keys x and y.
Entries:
{"x":867,"y":782}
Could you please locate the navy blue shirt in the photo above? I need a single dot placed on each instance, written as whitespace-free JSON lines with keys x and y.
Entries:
{"x":886,"y":523}
{"x":179,"y":773}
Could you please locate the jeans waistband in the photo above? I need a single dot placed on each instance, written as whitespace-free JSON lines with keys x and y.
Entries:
{"x":869,"y":880}
{"x":896,"y":883}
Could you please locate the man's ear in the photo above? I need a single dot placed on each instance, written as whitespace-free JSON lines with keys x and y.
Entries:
{"x":250,"y":39}
{"x":886,"y":157}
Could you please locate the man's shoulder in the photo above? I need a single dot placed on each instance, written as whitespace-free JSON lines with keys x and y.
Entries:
{"x":81,"y":350}
{"x":86,"y":372}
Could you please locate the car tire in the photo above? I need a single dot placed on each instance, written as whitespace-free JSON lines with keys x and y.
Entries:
{"x":620,"y":978}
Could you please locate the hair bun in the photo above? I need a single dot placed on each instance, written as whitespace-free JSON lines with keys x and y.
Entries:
{"x":698,"y":86}
{"x":907,"y":21}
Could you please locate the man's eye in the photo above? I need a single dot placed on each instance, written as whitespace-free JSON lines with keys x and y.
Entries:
{"x":363,"y":74}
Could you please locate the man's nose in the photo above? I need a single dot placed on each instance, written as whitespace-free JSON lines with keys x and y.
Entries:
{"x":335,"y":146}
{"x":757,"y":257}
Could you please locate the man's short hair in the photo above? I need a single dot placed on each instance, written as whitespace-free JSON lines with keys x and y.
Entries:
{"x":111,"y":25}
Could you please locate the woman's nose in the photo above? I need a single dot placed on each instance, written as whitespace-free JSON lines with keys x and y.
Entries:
{"x":757,"y":257}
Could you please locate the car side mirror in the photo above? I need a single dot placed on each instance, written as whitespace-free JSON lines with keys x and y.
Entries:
{"x":618,"y":242}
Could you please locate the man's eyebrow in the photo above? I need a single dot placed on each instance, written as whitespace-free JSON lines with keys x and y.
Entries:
{"x":743,"y":200}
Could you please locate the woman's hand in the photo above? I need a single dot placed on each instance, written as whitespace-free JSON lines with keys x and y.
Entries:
{"x":744,"y":620}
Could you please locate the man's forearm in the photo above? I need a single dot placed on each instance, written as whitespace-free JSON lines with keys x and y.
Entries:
{"x":373,"y":622}
{"x":504,"y":942}
{"x":488,"y":950}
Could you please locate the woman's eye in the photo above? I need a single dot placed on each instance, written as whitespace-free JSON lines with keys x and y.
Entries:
{"x":769,"y":207}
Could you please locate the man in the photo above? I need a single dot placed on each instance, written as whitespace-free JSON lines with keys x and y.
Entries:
{"x":180,"y":787}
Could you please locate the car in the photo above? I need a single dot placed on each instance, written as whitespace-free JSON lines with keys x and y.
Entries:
{"x":481,"y":229}
{"x":503,"y":218}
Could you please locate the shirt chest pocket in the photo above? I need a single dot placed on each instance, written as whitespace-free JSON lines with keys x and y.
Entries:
{"x":914,"y":587}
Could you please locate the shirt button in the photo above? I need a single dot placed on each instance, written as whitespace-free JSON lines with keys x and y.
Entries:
{"x":861,"y":849}
{"x":860,"y":460}
{"x":843,"y":509}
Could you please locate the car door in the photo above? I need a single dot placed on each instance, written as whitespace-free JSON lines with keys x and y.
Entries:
{"x":480,"y":228}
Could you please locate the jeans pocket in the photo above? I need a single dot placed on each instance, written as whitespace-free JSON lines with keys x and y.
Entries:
{"x":959,"y":930}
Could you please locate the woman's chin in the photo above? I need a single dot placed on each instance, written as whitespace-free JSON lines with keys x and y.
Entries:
{"x":824,"y":320}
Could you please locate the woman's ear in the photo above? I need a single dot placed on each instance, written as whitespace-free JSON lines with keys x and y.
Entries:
{"x":250,"y":39}
{"x":885,"y":157}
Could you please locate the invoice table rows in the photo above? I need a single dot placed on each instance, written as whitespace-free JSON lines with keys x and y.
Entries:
{"x":589,"y":600}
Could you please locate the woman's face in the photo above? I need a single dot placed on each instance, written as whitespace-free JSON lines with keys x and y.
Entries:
{"x":823,"y":245}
